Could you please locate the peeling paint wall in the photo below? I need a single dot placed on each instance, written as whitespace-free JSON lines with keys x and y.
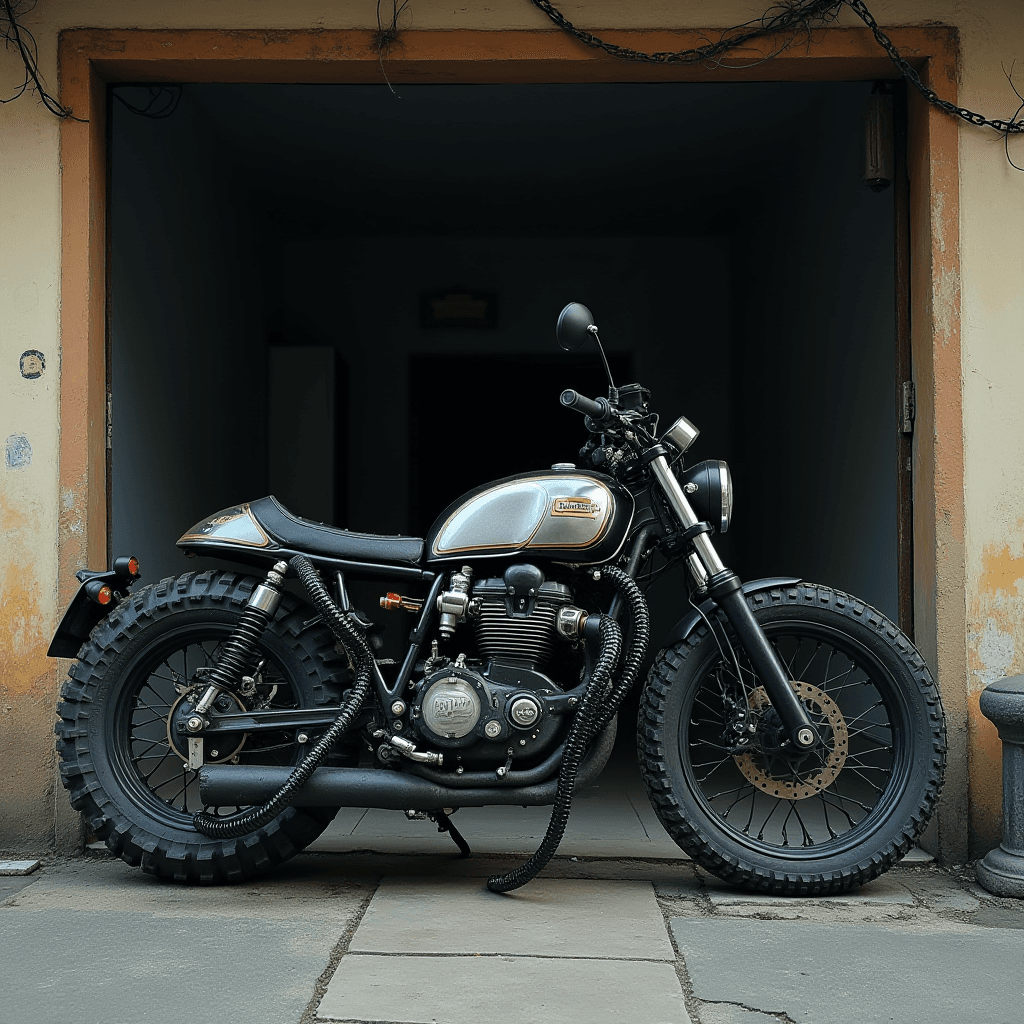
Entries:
{"x":991,"y":204}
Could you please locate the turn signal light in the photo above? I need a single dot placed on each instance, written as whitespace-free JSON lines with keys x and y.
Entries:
{"x":99,"y":592}
{"x":127,"y":566}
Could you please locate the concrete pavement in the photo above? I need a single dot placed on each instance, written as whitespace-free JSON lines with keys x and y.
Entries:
{"x":375,"y":937}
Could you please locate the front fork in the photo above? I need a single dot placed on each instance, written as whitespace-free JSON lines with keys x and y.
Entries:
{"x":723,"y":586}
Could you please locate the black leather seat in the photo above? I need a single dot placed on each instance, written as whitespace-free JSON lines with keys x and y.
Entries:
{"x":290,"y":531}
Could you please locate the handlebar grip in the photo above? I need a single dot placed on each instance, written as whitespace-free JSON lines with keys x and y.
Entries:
{"x":596,"y":409}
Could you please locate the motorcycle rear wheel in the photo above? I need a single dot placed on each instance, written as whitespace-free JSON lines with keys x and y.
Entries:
{"x":135,"y":792}
{"x":763,"y":817}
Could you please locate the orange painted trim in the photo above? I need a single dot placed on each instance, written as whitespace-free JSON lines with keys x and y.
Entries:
{"x":89,"y":58}
{"x":938,"y":448}
{"x":468,"y":56}
{"x":82,"y":501}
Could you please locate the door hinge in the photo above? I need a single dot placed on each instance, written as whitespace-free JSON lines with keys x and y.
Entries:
{"x":908,"y":408}
{"x":110,"y":420}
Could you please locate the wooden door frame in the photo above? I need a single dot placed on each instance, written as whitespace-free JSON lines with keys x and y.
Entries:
{"x":89,"y":59}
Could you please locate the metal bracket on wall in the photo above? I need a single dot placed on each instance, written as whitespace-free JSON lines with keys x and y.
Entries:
{"x":907,"y":408}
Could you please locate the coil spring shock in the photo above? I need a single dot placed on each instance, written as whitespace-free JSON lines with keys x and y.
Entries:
{"x":352,"y":640}
{"x":239,"y":652}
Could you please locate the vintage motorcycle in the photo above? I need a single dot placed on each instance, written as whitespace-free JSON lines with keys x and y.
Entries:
{"x":790,"y":737}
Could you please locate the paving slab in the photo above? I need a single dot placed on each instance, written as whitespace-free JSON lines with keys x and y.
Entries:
{"x":547,"y":917}
{"x":101,"y":943}
{"x":941,"y":893}
{"x":499,"y":989}
{"x":18,"y":867}
{"x":856,"y":974}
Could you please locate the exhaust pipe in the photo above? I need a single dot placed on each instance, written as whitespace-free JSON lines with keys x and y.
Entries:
{"x":222,"y":785}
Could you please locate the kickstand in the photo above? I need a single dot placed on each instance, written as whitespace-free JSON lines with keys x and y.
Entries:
{"x":445,"y":824}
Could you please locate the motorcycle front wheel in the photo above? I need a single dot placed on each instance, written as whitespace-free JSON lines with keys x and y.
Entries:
{"x":741,"y":801}
{"x":123,"y":762}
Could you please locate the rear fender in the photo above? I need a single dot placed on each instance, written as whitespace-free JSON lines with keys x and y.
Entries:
{"x":84,"y":614}
{"x":689,"y":622}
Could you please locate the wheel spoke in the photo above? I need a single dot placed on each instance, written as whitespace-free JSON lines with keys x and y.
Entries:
{"x":814,"y":654}
{"x":866,"y":711}
{"x":824,"y":808}
{"x":750,"y":793}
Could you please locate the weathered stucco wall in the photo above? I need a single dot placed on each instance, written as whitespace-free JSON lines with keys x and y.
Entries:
{"x":991,"y":204}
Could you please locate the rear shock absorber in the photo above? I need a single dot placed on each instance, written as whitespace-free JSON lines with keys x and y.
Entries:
{"x":239,"y":652}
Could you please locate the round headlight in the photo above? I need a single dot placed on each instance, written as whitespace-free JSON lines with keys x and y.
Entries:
{"x":708,"y":485}
{"x":726,"y":484}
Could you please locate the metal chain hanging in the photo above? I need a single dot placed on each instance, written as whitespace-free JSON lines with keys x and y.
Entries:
{"x":787,"y":16}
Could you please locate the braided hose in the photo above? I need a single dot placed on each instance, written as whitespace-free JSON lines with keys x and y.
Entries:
{"x":600,"y":704}
{"x":580,"y":733}
{"x":640,"y":620}
{"x":248,"y":821}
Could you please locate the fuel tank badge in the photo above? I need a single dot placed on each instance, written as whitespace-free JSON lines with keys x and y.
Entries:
{"x":582,"y":507}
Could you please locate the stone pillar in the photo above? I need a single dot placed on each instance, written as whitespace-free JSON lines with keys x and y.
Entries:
{"x":1002,"y":870}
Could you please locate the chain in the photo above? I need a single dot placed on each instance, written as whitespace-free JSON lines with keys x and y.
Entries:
{"x":790,"y":16}
{"x":794,"y":15}
{"x":860,"y":9}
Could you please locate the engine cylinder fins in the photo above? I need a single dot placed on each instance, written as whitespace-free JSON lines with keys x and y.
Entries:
{"x":499,"y":636}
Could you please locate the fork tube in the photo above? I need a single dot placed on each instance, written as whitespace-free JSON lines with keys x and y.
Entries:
{"x":684,"y":512}
{"x":724,"y":587}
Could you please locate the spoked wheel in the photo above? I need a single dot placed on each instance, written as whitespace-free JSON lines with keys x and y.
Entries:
{"x":125,"y":763}
{"x":748,"y":806}
{"x":150,"y":755}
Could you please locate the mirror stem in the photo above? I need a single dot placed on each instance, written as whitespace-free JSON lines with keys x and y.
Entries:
{"x":604,"y":359}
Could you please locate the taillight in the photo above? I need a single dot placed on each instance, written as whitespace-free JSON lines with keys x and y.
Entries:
{"x":127,"y":566}
{"x":99,"y":592}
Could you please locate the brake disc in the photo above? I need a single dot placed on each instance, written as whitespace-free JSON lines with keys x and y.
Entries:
{"x":823,"y":708}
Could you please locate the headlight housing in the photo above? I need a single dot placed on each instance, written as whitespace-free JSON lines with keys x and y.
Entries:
{"x":708,"y":486}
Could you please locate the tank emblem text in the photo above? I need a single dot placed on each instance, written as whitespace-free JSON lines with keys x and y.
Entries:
{"x":575,"y":507}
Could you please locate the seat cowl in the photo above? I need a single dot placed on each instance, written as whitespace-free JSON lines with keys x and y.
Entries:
{"x":292,"y":531}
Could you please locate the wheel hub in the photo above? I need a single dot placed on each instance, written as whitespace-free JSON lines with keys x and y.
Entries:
{"x":218,"y":748}
{"x":758,"y":765}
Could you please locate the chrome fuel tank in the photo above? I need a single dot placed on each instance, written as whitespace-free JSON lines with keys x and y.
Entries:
{"x":569,"y":516}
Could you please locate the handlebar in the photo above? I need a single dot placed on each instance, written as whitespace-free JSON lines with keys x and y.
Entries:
{"x":598,"y":409}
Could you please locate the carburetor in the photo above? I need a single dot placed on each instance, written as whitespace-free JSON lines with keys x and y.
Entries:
{"x":452,"y":604}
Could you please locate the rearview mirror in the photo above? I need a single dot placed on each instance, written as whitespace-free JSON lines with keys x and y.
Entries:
{"x":575,"y":327}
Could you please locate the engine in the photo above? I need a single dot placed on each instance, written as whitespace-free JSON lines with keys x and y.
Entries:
{"x":497,"y":706}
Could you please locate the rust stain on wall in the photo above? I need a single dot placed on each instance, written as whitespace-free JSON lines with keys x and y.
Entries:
{"x":24,"y":632}
{"x":1001,"y":571}
{"x":994,"y":650}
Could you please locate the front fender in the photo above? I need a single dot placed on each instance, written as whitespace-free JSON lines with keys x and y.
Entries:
{"x":689,"y":622}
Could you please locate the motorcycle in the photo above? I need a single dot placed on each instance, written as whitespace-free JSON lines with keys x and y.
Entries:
{"x":790,"y":737}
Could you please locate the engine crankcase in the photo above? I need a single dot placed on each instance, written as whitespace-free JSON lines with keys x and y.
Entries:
{"x":489,"y":713}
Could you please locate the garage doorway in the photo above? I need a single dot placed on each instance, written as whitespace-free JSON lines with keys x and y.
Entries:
{"x":746,"y":277}
{"x":275,"y":251}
